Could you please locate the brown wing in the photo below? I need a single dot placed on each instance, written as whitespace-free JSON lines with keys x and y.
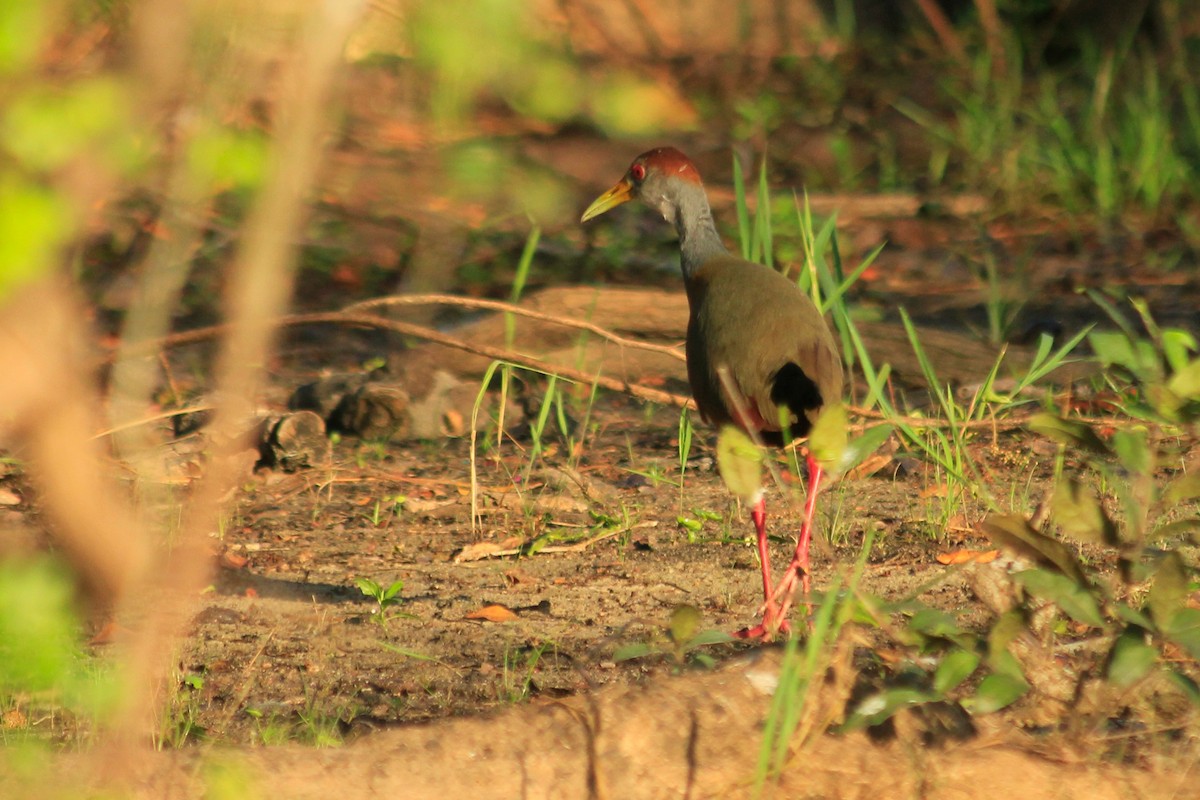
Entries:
{"x":767,"y":336}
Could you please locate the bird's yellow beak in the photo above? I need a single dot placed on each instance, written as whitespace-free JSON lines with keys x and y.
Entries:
{"x":621,"y":193}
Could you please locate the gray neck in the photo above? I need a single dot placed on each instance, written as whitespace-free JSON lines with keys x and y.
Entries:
{"x":698,"y":237}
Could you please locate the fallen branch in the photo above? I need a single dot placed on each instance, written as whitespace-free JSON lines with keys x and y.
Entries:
{"x":552,"y":549}
{"x":509,"y":308}
{"x":446,"y":340}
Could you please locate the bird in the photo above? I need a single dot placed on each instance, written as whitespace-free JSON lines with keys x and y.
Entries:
{"x":760,"y":355}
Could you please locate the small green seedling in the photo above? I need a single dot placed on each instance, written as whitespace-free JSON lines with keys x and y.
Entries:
{"x":679,"y":639}
{"x":384,"y":599}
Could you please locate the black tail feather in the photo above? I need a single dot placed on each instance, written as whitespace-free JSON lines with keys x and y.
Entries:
{"x":790,"y":387}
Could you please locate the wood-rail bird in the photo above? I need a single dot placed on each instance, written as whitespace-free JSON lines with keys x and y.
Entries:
{"x":759,"y":354}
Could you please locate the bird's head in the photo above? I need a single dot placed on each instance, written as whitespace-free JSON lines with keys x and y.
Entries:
{"x":657,"y":177}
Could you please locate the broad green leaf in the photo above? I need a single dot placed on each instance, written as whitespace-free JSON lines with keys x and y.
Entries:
{"x":1177,"y":344}
{"x":1185,"y":384}
{"x":22,"y":33}
{"x":1075,"y":600}
{"x":827,"y":439}
{"x":1139,"y":356}
{"x":1169,"y":591}
{"x":880,"y":706}
{"x":685,"y":621}
{"x":1180,"y":527}
{"x":1005,"y":663}
{"x":38,"y":648}
{"x":1131,"y":658}
{"x":933,"y":622}
{"x":1069,"y":432}
{"x":994,"y":693}
{"x":34,"y":222}
{"x":711,"y":637}
{"x":1133,"y":616}
{"x":862,"y":446}
{"x":1182,"y":489}
{"x":1133,"y":451}
{"x":1183,"y":628}
{"x":955,"y":668}
{"x":1013,"y":532}
{"x":1009,"y":625}
{"x":1186,"y":685}
{"x":637,"y":650}
{"x":1079,"y":513}
{"x":221,"y":158}
{"x":740,"y":463}
{"x":45,"y":128}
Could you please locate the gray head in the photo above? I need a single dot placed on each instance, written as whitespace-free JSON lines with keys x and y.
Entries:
{"x":660,"y":178}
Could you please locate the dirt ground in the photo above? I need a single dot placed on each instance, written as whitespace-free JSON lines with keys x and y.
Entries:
{"x":442,"y":694}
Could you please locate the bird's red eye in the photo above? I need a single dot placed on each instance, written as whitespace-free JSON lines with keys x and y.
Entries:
{"x":638,"y":172}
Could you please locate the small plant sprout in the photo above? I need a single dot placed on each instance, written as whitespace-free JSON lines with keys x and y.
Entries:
{"x":685,"y":449}
{"x":680,"y":639}
{"x":385,"y":598}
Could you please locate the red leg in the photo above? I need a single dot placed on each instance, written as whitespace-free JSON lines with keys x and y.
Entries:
{"x":772,"y":622}
{"x":798,"y":568}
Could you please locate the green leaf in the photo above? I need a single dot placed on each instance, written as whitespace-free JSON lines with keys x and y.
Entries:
{"x":994,"y":693}
{"x":1185,"y":384}
{"x":1075,"y":600}
{"x":636,"y":650}
{"x":1182,"y":489}
{"x":22,"y":33}
{"x":1131,"y":657}
{"x":1183,"y":629}
{"x":1133,"y":451}
{"x":34,"y":222}
{"x":1180,"y":527}
{"x":685,"y":621}
{"x":880,"y":706}
{"x":827,"y":439}
{"x":369,"y":587}
{"x":1080,"y":515}
{"x":955,"y":668}
{"x":862,"y":446}
{"x":1176,"y":345}
{"x":1006,"y":628}
{"x":1138,"y":356}
{"x":222,"y":158}
{"x":711,"y":637}
{"x":1133,"y":616}
{"x":1169,"y":591}
{"x":740,"y":463}
{"x":1013,"y":532}
{"x":38,"y":628}
{"x":932,"y":622}
{"x":1186,"y":685}
{"x":1069,"y":432}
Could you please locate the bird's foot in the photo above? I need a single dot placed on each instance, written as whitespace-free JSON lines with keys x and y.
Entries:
{"x":773,"y":624}
{"x":785,"y":592}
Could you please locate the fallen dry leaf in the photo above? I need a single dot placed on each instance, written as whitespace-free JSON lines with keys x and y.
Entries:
{"x":939,"y":490}
{"x":968,"y":556}
{"x":474,"y":552}
{"x":493,"y":613}
{"x":230,"y":560}
{"x":869,"y":466}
